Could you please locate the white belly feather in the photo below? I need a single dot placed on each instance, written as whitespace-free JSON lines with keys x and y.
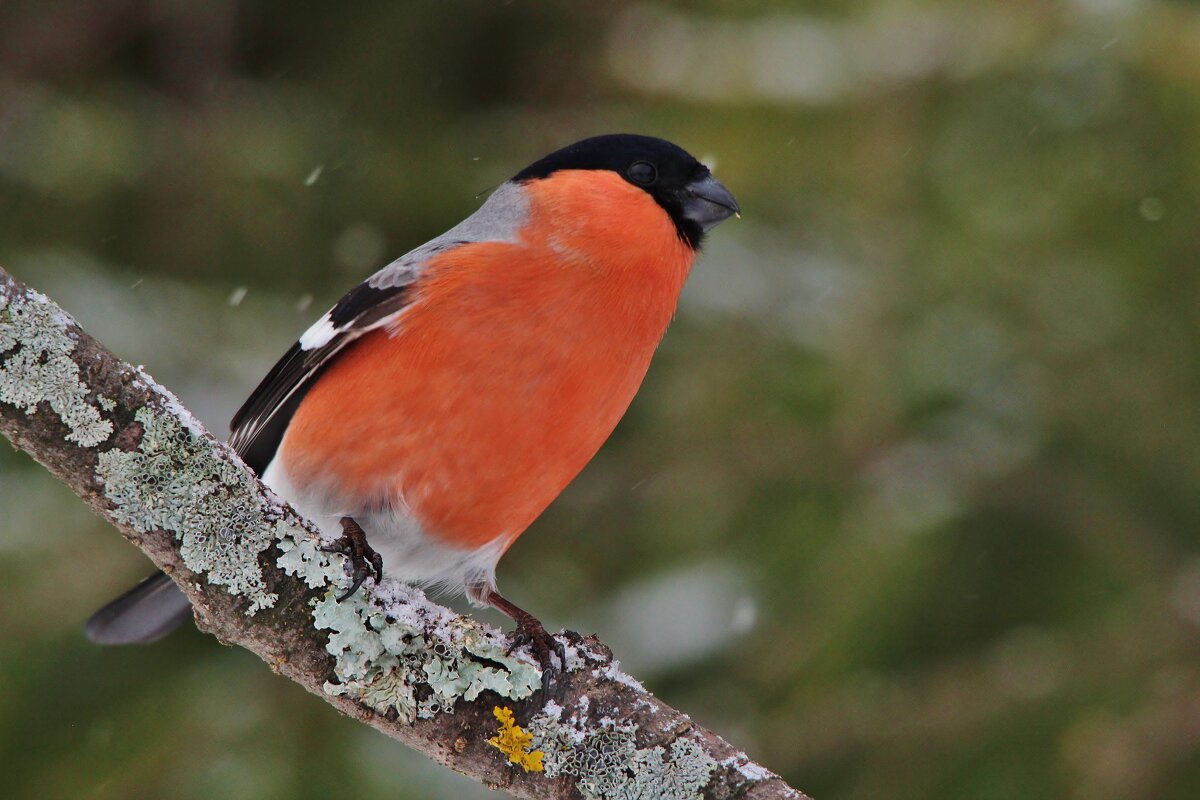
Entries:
{"x":409,"y":554}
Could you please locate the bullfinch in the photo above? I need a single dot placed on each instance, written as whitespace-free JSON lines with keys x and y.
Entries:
{"x":441,"y":405}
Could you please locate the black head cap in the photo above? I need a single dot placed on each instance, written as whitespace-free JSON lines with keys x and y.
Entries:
{"x":683,"y":186}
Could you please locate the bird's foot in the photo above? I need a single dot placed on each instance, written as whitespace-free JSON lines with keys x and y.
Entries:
{"x":530,"y":631}
{"x":362,"y":559}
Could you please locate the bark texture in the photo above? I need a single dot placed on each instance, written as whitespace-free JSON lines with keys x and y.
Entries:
{"x":417,"y":672}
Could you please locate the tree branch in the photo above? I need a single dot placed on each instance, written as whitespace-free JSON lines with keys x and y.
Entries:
{"x":440,"y":683}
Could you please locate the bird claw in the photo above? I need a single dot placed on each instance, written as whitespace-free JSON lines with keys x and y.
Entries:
{"x":362,"y":559}
{"x":531,"y":632}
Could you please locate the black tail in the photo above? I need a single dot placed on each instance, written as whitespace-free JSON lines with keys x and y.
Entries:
{"x":144,"y":614}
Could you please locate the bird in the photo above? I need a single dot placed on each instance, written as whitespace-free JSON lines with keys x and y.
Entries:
{"x":440,"y":406}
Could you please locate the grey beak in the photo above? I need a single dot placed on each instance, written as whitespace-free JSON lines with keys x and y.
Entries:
{"x":707,"y":203}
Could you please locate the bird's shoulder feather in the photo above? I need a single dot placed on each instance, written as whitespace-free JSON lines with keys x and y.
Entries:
{"x":259,"y":425}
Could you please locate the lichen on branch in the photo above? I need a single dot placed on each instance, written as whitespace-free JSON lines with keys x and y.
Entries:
{"x":258,"y":576}
{"x":36,"y":334}
{"x":177,"y":481}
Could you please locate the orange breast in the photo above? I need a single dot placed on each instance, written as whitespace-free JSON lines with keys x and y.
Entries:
{"x":512,"y":366}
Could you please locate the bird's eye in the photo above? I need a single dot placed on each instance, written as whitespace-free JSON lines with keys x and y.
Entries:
{"x":642,"y":172}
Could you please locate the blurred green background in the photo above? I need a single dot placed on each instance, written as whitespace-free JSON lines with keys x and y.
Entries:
{"x":908,"y":506}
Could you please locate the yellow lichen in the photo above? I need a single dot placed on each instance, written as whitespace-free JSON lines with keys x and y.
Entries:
{"x":514,"y":742}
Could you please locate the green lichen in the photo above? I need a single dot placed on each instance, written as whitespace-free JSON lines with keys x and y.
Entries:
{"x":177,"y":482}
{"x":304,"y":559}
{"x":392,"y":643}
{"x":39,"y":368}
{"x":677,"y":776}
{"x":608,"y":765}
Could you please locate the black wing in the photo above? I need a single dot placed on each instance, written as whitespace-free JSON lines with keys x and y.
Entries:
{"x":260,"y":423}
